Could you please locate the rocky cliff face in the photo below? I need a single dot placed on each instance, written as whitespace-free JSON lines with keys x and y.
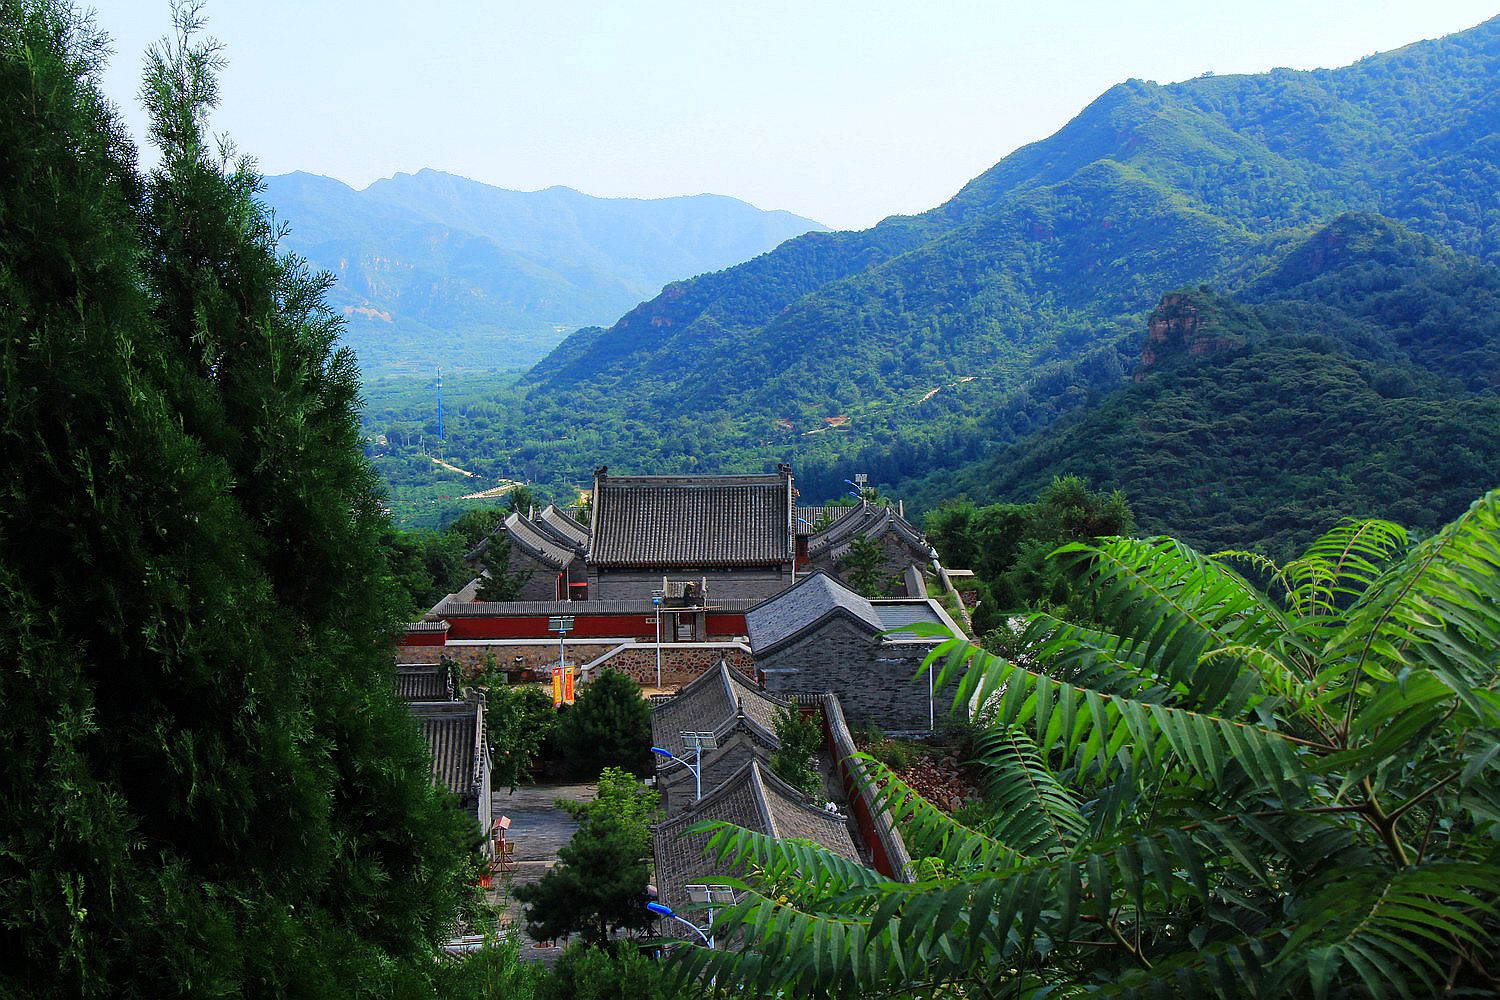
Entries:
{"x":1183,"y":325}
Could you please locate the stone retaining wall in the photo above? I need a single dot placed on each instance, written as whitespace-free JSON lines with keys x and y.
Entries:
{"x":539,"y":656}
{"x":679,"y":664}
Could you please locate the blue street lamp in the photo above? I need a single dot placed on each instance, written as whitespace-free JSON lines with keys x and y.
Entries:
{"x":695,"y":766}
{"x":666,"y":911}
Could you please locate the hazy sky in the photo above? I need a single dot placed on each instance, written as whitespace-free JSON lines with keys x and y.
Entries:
{"x":842,"y":111}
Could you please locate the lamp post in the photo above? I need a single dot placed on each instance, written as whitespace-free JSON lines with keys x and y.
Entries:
{"x":663,"y":910}
{"x":561,"y":624}
{"x":698,"y":741}
{"x":656,"y":603}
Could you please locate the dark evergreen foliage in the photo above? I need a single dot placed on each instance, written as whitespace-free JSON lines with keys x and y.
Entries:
{"x":597,"y":887}
{"x":608,"y":726}
{"x":208,"y":786}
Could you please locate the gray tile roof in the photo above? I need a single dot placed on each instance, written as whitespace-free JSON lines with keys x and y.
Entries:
{"x":895,"y":614}
{"x":752,"y":798}
{"x":713,"y":703}
{"x":790,"y":613}
{"x":539,"y":544}
{"x":423,"y":682}
{"x":561,"y":524}
{"x":808,"y":517}
{"x":455,"y":737}
{"x":793,"y":612}
{"x":869,"y":522}
{"x":692,"y":521}
{"x":427,"y":626}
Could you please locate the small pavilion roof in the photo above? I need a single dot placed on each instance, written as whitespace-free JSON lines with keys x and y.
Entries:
{"x":868,"y":522}
{"x":537,"y":543}
{"x":561,"y":525}
{"x":752,"y":798}
{"x":714,"y":703}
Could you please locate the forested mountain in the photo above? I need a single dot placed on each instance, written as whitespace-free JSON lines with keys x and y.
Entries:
{"x":435,"y":269}
{"x":1355,"y":376}
{"x":932,"y":340}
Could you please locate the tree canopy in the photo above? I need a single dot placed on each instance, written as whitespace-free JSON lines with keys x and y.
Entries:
{"x":208,"y":785}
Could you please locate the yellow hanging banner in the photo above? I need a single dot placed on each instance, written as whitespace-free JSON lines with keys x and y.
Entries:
{"x":568,"y":686}
{"x":557,"y":686}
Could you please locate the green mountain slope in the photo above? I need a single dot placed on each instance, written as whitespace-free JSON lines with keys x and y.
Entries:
{"x":1062,"y":222}
{"x":436,"y":269}
{"x":1359,"y":381}
{"x":931,"y":341}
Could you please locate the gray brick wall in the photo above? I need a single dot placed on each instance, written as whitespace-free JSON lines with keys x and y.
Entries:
{"x":541,"y":582}
{"x":611,"y":584}
{"x":874,"y":681}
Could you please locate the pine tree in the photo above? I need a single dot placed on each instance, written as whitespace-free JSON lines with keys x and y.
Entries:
{"x":207,"y":786}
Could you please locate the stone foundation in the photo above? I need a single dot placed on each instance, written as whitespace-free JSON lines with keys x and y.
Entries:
{"x":679,"y":664}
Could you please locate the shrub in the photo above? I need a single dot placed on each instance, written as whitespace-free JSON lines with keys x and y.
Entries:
{"x":598,"y":886}
{"x":586,"y":972}
{"x":608,"y":726}
{"x":800,"y":739}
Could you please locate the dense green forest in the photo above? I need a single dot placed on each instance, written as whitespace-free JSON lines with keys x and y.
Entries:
{"x":934,"y":341}
{"x":1358,"y":375}
{"x":208,"y":787}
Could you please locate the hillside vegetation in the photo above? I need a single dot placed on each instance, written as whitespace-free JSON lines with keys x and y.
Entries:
{"x":1356,"y":376}
{"x":933,"y":340}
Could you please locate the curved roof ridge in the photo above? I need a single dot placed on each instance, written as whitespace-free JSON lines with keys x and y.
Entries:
{"x":840,"y":529}
{"x":872,"y":523}
{"x":785,"y":796}
{"x":562,"y":523}
{"x":706,"y":703}
{"x":723,"y":790}
{"x":537,"y":543}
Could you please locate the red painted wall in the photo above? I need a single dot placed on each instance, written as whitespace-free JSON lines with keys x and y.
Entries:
{"x":423,"y":639}
{"x":859,"y":808}
{"x":725,"y":624}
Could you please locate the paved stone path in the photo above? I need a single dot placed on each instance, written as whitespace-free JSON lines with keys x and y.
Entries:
{"x":538,"y":830}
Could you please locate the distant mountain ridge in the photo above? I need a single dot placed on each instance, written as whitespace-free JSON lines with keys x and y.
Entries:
{"x":1050,"y":260}
{"x":1163,"y":183}
{"x":438,"y":269}
{"x":935,"y":352}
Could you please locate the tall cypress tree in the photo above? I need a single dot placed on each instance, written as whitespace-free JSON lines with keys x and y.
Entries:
{"x":206,"y":783}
